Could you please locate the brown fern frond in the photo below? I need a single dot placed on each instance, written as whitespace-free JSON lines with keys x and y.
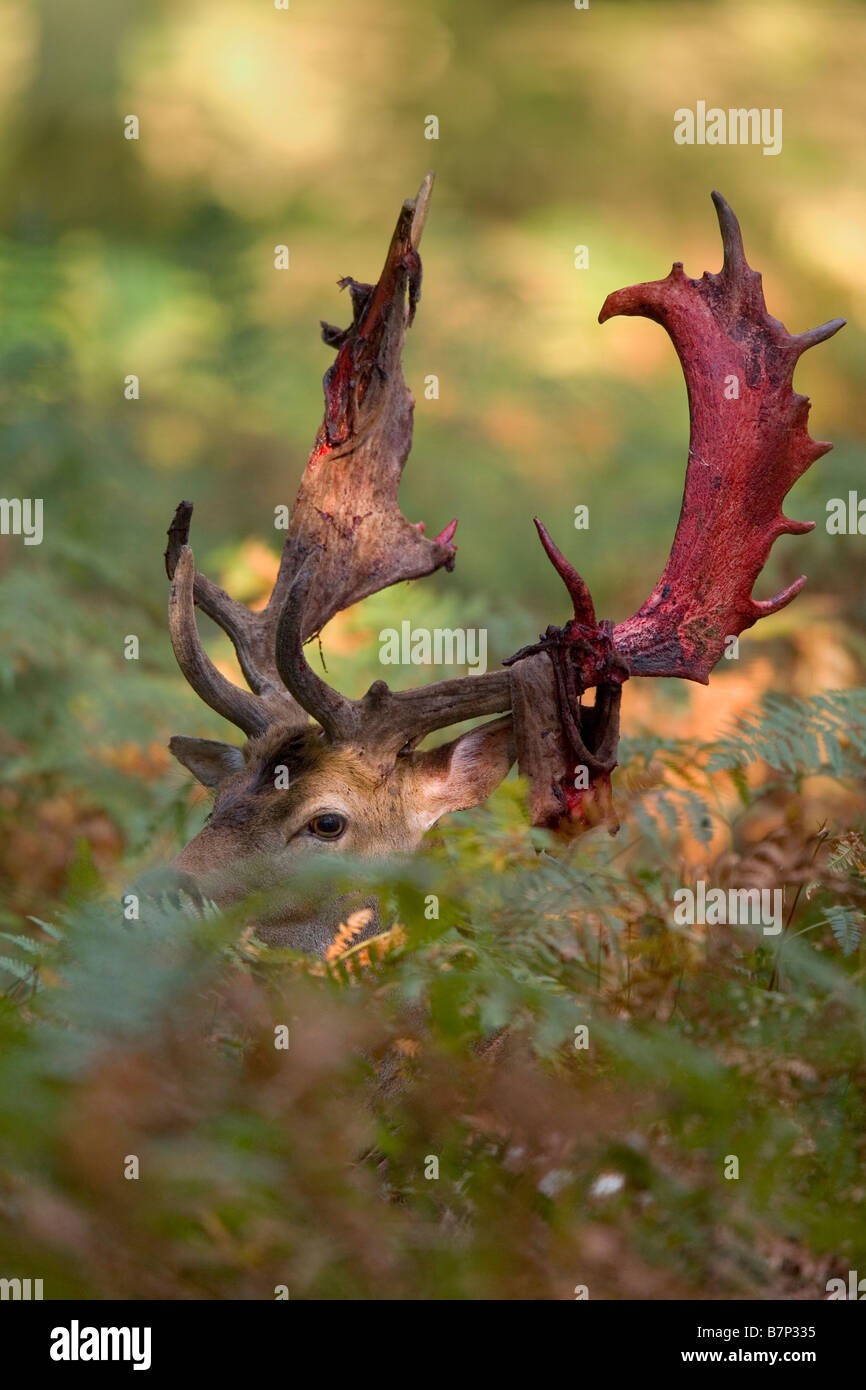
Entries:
{"x":349,"y":930}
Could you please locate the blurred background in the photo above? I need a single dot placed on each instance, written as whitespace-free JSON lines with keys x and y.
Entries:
{"x":153,"y":1038}
{"x":306,"y":127}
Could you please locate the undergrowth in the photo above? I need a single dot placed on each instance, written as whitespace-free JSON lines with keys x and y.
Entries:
{"x":534,"y":1082}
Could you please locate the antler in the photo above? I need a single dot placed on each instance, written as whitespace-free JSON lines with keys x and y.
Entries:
{"x":346,"y":539}
{"x":749,"y":444}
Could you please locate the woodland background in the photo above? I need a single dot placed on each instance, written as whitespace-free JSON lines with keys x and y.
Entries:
{"x":455,"y":1038}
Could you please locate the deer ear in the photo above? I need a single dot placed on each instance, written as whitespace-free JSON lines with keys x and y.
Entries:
{"x":464,"y":772}
{"x":208,"y":761}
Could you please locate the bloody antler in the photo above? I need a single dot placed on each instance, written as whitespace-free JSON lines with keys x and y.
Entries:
{"x":749,"y":444}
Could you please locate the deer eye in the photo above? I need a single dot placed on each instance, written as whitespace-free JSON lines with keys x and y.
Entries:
{"x":328,"y":826}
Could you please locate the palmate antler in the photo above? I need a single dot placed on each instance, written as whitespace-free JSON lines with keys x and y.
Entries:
{"x":346,"y":539}
{"x":749,"y":444}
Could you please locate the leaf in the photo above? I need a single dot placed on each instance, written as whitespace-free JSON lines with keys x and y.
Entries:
{"x":20,"y":969}
{"x":25,"y":942}
{"x":846,"y":924}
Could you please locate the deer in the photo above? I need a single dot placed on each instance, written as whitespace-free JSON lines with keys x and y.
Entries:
{"x":322,"y":774}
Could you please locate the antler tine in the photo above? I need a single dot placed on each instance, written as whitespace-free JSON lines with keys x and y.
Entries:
{"x":420,"y":205}
{"x":801,"y":342}
{"x":735,"y":266}
{"x":584,"y":609}
{"x":337,"y":715}
{"x":236,"y":621}
{"x":239,"y":706}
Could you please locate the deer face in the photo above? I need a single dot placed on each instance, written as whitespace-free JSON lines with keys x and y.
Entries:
{"x":289,"y":794}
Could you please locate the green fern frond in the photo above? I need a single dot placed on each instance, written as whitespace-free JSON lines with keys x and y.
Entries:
{"x":821,"y":733}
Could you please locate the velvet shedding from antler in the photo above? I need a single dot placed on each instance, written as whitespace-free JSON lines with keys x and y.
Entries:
{"x":347,"y":538}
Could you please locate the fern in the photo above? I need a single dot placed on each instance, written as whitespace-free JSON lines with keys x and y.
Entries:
{"x":673,"y":808}
{"x":846,"y":924}
{"x":26,"y":943}
{"x":822,"y":733}
{"x":22,"y":970}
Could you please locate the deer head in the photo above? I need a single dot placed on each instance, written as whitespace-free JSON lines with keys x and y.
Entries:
{"x":355,"y":779}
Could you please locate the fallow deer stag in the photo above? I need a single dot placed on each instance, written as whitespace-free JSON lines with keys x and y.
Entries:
{"x":357,"y":779}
